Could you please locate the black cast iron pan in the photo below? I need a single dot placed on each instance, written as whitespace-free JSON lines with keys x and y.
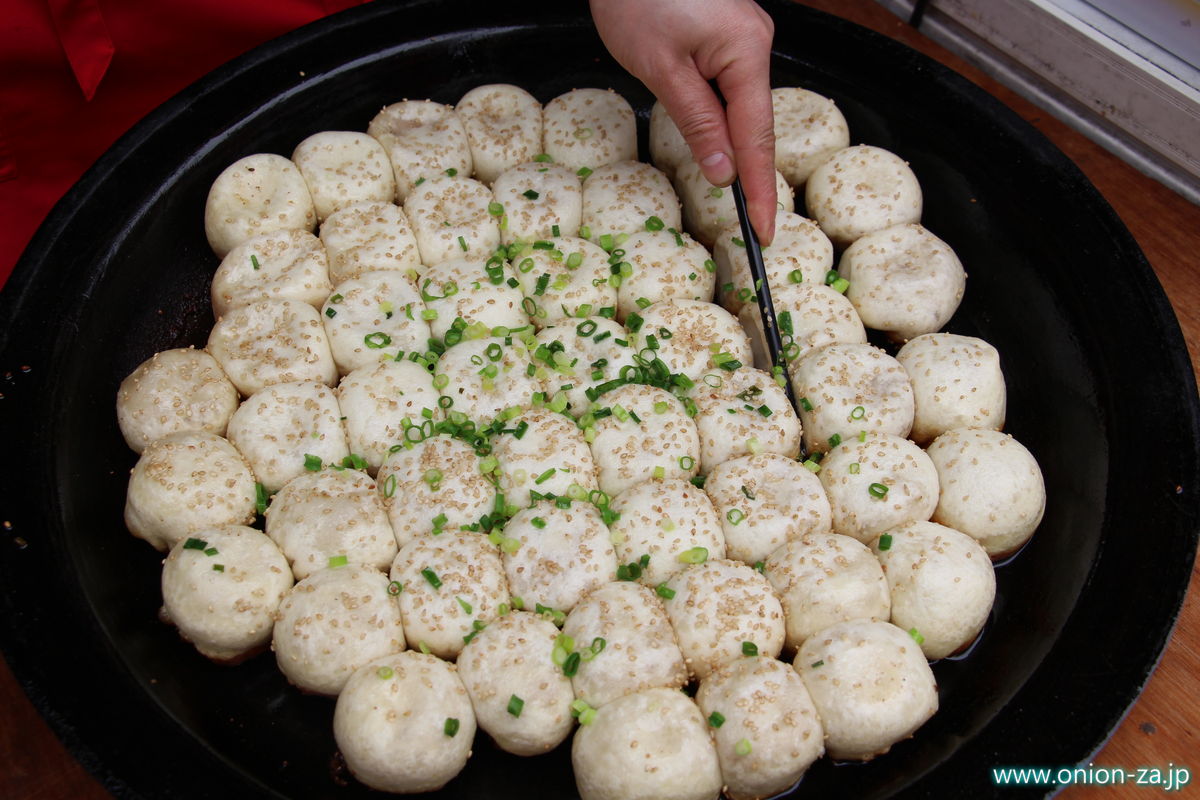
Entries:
{"x":1100,"y":389}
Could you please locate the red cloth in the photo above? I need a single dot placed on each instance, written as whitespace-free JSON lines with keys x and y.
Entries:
{"x":79,"y":73}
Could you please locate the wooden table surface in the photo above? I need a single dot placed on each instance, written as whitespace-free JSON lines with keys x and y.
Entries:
{"x":1160,"y":729}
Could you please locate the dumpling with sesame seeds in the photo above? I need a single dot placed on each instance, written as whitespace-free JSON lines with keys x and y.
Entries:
{"x":450,"y":219}
{"x":484,"y":377}
{"x":620,"y":197}
{"x":504,"y":126}
{"x":257,"y":194}
{"x":692,"y":336}
{"x":723,"y":610}
{"x":272,"y":341}
{"x":185,"y":482}
{"x":522,"y":698}
{"x":175,"y":391}
{"x":743,"y":412}
{"x":423,"y":139}
{"x":589,"y":128}
{"x":862,"y":189}
{"x":434,"y":743}
{"x":555,"y":552}
{"x":435,"y":484}
{"x":871,"y":685}
{"x":844,"y":389}
{"x":942,"y":584}
{"x":542,"y":451}
{"x":661,"y":521}
{"x":370,"y":237}
{"x":765,"y":726}
{"x":563,"y":279}
{"x":342,"y":168}
{"x":533,"y":199}
{"x":764,"y":501}
{"x":221,"y":588}
{"x":374,"y":317}
{"x":331,"y":512}
{"x":281,"y":265}
{"x":287,"y":428}
{"x":641,"y":432}
{"x":663,"y":265}
{"x":449,"y":586}
{"x":823,"y":579}
{"x":708,"y":209}
{"x":598,"y":349}
{"x":878,"y":483}
{"x":380,"y":403}
{"x":467,"y":289}
{"x":332,"y":622}
{"x":625,"y":643}
{"x":957,"y":383}
{"x":649,"y":745}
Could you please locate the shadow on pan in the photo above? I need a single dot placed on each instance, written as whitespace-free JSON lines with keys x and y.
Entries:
{"x":1095,"y":364}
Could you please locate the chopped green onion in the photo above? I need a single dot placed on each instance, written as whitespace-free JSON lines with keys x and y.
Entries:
{"x":885,"y":542}
{"x":544,"y":158}
{"x":716,"y":191}
{"x":495,"y":209}
{"x":195,"y":544}
{"x":385,"y":673}
{"x":583,"y":133}
{"x":450,"y":728}
{"x":463,"y":244}
{"x":686,"y":463}
{"x":858,"y":412}
{"x":817,"y":664}
{"x":749,"y":649}
{"x":812,"y":466}
{"x":394,"y":588}
{"x":515,"y":704}
{"x":916,"y":636}
{"x":654,"y":224}
{"x":805,"y":404}
{"x":451,"y":172}
{"x":854,"y":468}
{"x":878,"y":490}
{"x":735,"y":516}
{"x":742,"y":748}
{"x":530,"y":194}
{"x":795,"y":276}
{"x":312,"y":463}
{"x":716,"y":719}
{"x":664,"y":591}
{"x":432,"y":577}
{"x":835,"y":440}
{"x":218,"y":567}
{"x":338,"y":561}
{"x":254,"y":261}
{"x":261,"y":499}
{"x":696,"y":555}
{"x":840,"y":285}
{"x":466,"y":607}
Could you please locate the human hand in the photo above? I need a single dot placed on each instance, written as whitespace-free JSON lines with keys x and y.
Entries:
{"x":675,"y":47}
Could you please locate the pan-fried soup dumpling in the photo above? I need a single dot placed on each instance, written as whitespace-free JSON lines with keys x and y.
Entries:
{"x":256,"y":194}
{"x":799,"y":253}
{"x":563,"y":279}
{"x":342,"y":168}
{"x":423,"y":139}
{"x":554,"y":556}
{"x":770,"y":733}
{"x":957,"y":383}
{"x":826,"y":578}
{"x":942,"y":584}
{"x":331,"y":623}
{"x":370,"y":237}
{"x":663,"y":266}
{"x":374,"y":317}
{"x":185,"y":482}
{"x":450,"y":218}
{"x":589,"y":128}
{"x":522,"y":698}
{"x":660,"y":727}
{"x":700,"y":337}
{"x":878,"y":483}
{"x":504,"y":126}
{"x":448,"y":586}
{"x":743,"y":412}
{"x":808,"y":129}
{"x":272,"y":341}
{"x":281,"y":265}
{"x":708,"y":209}
{"x":903,"y":280}
{"x":870,"y":684}
{"x":816,"y":314}
{"x":764,"y":501}
{"x":432,"y":486}
{"x":992,"y":488}
{"x":668,"y":148}
{"x":221,"y":588}
{"x":174,"y":391}
{"x":862,"y":189}
{"x":380,"y":402}
{"x":619,"y":198}
{"x":534,"y":198}
{"x":329,"y":513}
{"x":648,"y":434}
{"x":283,"y":428}
{"x":433,"y":744}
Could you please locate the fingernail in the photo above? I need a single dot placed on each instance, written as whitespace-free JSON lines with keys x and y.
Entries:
{"x":718,"y":166}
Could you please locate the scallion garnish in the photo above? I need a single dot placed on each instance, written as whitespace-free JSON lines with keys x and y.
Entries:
{"x":338,"y":561}
{"x":450,"y":727}
{"x":885,"y":542}
{"x":716,"y":719}
{"x":878,"y":490}
{"x":432,"y":577}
